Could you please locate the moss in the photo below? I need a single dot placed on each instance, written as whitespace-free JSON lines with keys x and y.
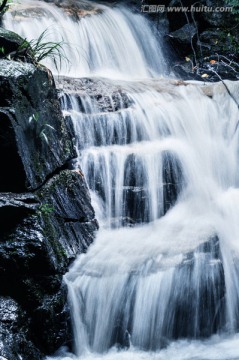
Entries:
{"x":50,"y":232}
{"x":68,"y":147}
{"x":10,"y":36}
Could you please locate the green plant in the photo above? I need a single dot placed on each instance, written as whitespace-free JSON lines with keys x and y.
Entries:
{"x":46,"y":209}
{"x":40,"y":129}
{"x":4,"y":5}
{"x":41,"y":48}
{"x":235,"y":6}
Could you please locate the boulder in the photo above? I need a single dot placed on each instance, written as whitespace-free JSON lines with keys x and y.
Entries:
{"x":46,"y":217}
{"x":40,"y":235}
{"x":218,"y":19}
{"x":38,"y":142}
{"x":14,"y":332}
{"x":215,"y":42}
{"x":183,"y":38}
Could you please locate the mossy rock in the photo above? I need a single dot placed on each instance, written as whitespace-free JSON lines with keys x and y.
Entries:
{"x":11,"y":45}
{"x":38,"y":136}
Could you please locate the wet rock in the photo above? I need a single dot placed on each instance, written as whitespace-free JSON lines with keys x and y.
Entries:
{"x":14,"y":332}
{"x":76,"y":8}
{"x":194,"y":315}
{"x":38,"y":140}
{"x":173,"y":179}
{"x":51,"y":321}
{"x":103,"y":94}
{"x":43,"y":233}
{"x":68,"y":185}
{"x":177,"y":19}
{"x":11,"y":45}
{"x":218,"y":19}
{"x":214,"y":42}
{"x":41,"y":237}
{"x":183,"y":38}
{"x":46,"y":217}
{"x":67,"y":215}
{"x":184,"y":71}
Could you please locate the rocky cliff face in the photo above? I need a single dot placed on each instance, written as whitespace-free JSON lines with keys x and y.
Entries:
{"x":201,"y":37}
{"x":46,"y":217}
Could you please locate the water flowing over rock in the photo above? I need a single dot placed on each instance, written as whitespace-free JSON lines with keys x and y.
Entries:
{"x":95,"y":43}
{"x":169,"y":279}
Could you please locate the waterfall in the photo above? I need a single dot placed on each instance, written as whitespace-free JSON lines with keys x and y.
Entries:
{"x":161,"y":280}
{"x":163,"y":171}
{"x":105,"y":42}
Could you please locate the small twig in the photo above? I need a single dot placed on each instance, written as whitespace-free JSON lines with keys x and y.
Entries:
{"x":226,"y":87}
{"x":194,"y":21}
{"x":191,"y":38}
{"x":4,"y":4}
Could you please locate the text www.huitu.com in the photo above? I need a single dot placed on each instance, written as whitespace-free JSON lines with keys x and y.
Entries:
{"x":202,"y":8}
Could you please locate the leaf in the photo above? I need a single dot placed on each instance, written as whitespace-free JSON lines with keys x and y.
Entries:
{"x":212,"y":61}
{"x":43,"y":135}
{"x":36,"y":117}
{"x":204,"y":75}
{"x":51,"y":127}
{"x":187,"y":58}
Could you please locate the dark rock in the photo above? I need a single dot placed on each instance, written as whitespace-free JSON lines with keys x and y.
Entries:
{"x":218,"y":19}
{"x":184,"y":71}
{"x":40,"y":235}
{"x":67,"y":216}
{"x":14,"y":332}
{"x":183,"y":38}
{"x":198,"y":314}
{"x":177,"y":19}
{"x":76,"y":9}
{"x":39,"y":142}
{"x":68,"y":185}
{"x":51,"y":320}
{"x":214,"y":42}
{"x":41,"y":231}
{"x":9,"y":40}
{"x":220,"y":69}
{"x":104,"y":94}
{"x":173,"y":179}
{"x":13,"y":209}
{"x":11,"y":45}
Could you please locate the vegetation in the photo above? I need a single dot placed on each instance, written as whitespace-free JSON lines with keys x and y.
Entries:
{"x":235,"y":6}
{"x":41,"y":48}
{"x":46,"y":209}
{"x":3,"y":6}
{"x":40,"y":129}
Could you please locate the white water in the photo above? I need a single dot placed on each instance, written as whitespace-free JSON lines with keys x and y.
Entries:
{"x":150,"y":284}
{"x":114,"y":43}
{"x":216,"y":348}
{"x":162,"y":166}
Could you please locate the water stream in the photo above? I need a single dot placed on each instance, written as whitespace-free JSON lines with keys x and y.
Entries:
{"x":161,"y":280}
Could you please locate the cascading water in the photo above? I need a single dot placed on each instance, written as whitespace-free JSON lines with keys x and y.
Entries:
{"x":161,"y":159}
{"x":110,"y":42}
{"x":165,"y":265}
